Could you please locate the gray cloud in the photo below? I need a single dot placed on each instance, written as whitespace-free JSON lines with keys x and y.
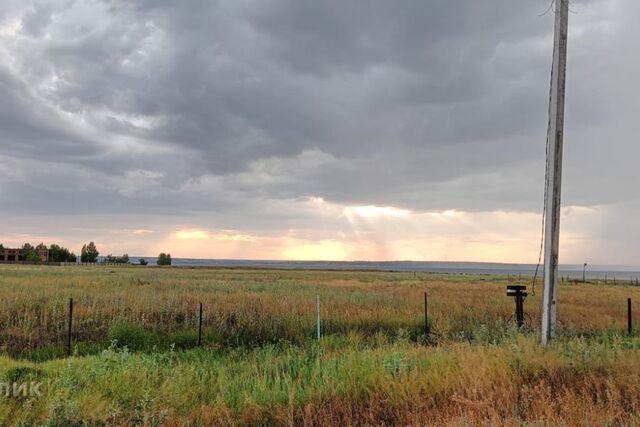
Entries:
{"x":430,"y":105}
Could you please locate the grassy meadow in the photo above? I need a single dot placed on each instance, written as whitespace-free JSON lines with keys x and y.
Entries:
{"x":136,"y":360}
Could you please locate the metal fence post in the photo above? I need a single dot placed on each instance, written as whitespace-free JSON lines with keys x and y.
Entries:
{"x":426,"y":315}
{"x":200,"y":327}
{"x":318,"y":316}
{"x":629,"y":318}
{"x":70,"y":324}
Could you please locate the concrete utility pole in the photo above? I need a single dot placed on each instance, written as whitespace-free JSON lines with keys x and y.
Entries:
{"x":554,"y":171}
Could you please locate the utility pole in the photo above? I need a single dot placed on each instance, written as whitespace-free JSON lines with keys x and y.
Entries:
{"x":554,"y":170}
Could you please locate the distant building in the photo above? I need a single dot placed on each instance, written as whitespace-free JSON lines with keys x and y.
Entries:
{"x":17,"y":255}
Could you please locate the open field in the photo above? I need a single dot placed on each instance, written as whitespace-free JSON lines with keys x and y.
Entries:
{"x":136,"y":363}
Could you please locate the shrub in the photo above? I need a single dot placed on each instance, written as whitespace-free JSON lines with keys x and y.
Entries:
{"x":32,"y":257}
{"x":22,"y":374}
{"x":164,"y":259}
{"x":183,"y":340}
{"x":133,"y":337}
{"x":110,"y":259}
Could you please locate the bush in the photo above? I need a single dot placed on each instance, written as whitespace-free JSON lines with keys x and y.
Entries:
{"x":110,"y":259}
{"x":143,"y":261}
{"x":22,"y":374}
{"x":183,"y":340}
{"x":164,"y":259}
{"x":30,"y":254}
{"x":136,"y":338}
{"x":133,"y":337}
{"x":32,"y":257}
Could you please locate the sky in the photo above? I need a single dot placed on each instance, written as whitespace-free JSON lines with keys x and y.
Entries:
{"x":305,"y":129}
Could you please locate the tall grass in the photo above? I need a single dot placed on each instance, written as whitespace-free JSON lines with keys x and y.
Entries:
{"x":258,"y":307}
{"x":341,"y":381}
{"x":135,"y":363}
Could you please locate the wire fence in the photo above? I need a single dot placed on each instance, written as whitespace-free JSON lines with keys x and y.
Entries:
{"x":188,"y":330}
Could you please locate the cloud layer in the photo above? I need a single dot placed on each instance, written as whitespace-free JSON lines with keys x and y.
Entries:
{"x":237,"y":114}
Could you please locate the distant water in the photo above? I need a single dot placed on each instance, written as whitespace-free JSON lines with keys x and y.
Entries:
{"x":567,"y":270}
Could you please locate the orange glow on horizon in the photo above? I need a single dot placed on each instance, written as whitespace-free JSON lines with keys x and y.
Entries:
{"x":335,"y":232}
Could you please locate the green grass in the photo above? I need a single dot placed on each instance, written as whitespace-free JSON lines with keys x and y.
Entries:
{"x":265,"y":384}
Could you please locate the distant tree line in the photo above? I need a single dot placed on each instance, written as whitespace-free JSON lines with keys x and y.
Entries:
{"x":110,"y":259}
{"x":58,"y":253}
{"x":88,"y":254}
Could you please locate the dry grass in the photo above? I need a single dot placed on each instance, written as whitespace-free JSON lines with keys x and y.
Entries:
{"x":261,"y":366}
{"x":247,"y":307}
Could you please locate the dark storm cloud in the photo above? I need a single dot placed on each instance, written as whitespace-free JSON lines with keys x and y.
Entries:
{"x":423,"y":104}
{"x":329,"y":36}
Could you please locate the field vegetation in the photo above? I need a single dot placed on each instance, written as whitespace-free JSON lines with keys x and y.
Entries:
{"x":136,"y":361}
